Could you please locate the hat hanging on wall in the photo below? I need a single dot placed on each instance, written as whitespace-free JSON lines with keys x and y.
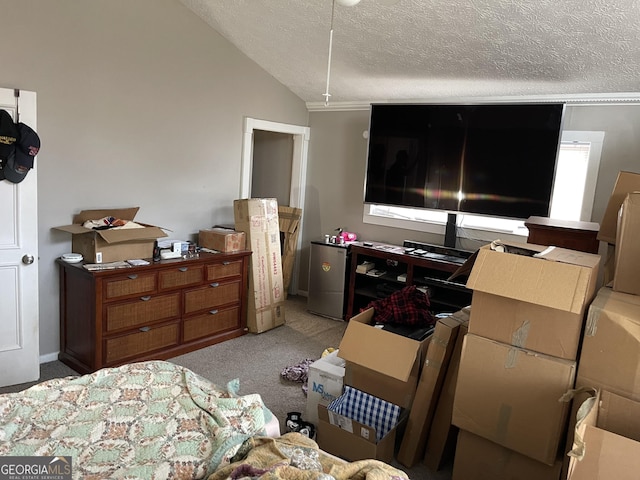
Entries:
{"x":8,"y":135}
{"x":21,"y":154}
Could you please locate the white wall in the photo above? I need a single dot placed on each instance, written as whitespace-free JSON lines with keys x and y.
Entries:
{"x":140,"y":103}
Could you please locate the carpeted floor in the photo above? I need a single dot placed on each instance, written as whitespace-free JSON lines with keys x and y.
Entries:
{"x":257,"y":361}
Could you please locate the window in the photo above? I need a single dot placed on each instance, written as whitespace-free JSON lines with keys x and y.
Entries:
{"x":572,"y":197}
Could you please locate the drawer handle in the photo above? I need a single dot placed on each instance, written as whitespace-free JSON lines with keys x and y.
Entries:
{"x":214,"y":284}
{"x":183,"y":269}
{"x":146,"y":298}
{"x":226,"y":263}
{"x":213,"y":312}
{"x":133,"y":276}
{"x":145,"y":329}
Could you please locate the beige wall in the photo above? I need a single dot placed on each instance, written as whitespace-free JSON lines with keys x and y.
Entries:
{"x":337,"y":157}
{"x":140,"y":103}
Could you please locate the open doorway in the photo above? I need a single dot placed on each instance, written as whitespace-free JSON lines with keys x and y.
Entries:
{"x":297,"y":166}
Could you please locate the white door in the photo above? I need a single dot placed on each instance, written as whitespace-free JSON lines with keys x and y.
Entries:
{"x":19,"y":342}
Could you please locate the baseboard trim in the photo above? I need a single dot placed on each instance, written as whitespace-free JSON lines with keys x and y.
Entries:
{"x":49,"y":357}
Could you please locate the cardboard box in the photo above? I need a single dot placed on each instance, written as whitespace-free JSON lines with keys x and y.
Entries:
{"x":325,"y":381}
{"x":480,"y":459}
{"x":599,"y":452}
{"x":222,"y":239}
{"x":441,"y":439}
{"x":380,"y":363}
{"x":626,"y":277}
{"x":258,"y":219}
{"x":538,"y":303}
{"x":433,"y":373}
{"x":352,"y":440}
{"x":510,"y":396}
{"x":625,"y":183}
{"x":111,"y":245}
{"x":289,"y":218}
{"x":610,"y":354}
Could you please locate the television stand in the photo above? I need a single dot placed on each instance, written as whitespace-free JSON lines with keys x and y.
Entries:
{"x":423,"y":265}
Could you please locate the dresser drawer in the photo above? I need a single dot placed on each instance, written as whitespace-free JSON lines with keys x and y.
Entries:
{"x":207,"y":324}
{"x":144,"y":340}
{"x":226,"y":269}
{"x":127,"y":285}
{"x":213,"y":295}
{"x":180,"y":277}
{"x":143,"y":311}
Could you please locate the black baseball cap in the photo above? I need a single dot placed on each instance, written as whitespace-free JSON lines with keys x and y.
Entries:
{"x":20,"y":160}
{"x":8,"y":135}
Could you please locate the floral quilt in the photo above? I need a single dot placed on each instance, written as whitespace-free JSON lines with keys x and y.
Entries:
{"x":146,"y":420}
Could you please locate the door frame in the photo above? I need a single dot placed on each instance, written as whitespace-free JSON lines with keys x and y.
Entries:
{"x":298,"y":171}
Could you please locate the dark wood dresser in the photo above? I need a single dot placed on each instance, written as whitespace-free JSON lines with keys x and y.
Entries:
{"x":155,"y":311}
{"x":563,"y":233}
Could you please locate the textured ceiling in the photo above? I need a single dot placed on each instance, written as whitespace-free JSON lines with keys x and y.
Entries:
{"x":436,"y":49}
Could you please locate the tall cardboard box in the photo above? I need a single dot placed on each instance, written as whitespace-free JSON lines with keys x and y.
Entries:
{"x":380,"y":363}
{"x":626,"y":278}
{"x":536,"y":301}
{"x":511,"y":396}
{"x":625,"y":182}
{"x":441,"y":439}
{"x":111,"y":245}
{"x":289,"y":218}
{"x":258,"y":219}
{"x":434,"y":370}
{"x":480,"y":459}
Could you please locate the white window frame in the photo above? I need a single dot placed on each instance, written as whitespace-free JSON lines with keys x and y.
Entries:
{"x":478,"y":227}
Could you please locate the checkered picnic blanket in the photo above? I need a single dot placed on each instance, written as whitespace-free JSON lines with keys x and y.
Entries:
{"x":366,"y":409}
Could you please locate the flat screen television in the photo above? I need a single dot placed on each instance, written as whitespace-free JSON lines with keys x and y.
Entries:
{"x":485,"y":159}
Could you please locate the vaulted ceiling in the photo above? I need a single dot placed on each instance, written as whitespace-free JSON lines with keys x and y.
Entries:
{"x":406,"y":50}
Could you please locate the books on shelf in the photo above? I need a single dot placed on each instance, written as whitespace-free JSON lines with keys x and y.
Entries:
{"x":376,"y":272}
{"x":402,"y":277}
{"x":365,"y":266}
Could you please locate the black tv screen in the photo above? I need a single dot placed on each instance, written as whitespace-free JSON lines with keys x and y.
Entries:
{"x":496,"y":159}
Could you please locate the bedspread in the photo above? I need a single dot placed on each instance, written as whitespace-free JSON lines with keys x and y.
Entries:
{"x":294,"y":456}
{"x":143,"y":420}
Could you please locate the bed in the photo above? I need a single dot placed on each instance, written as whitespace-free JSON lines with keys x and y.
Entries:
{"x":158,"y":420}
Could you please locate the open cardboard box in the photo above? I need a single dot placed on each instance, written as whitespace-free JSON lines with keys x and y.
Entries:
{"x":606,"y":439}
{"x":383,"y":364}
{"x":112,"y":245}
{"x":535,"y":298}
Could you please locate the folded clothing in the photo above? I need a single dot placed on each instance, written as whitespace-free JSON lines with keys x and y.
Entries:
{"x":366,"y":409}
{"x":110,"y":222}
{"x":408,"y":306}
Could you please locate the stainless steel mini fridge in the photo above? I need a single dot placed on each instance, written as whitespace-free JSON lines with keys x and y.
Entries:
{"x":327,"y":279}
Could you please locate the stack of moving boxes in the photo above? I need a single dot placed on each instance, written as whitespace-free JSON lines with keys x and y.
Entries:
{"x":518,"y":359}
{"x":609,"y":361}
{"x":382,"y":364}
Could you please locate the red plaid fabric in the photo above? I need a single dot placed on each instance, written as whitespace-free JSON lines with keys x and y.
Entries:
{"x":408,"y":306}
